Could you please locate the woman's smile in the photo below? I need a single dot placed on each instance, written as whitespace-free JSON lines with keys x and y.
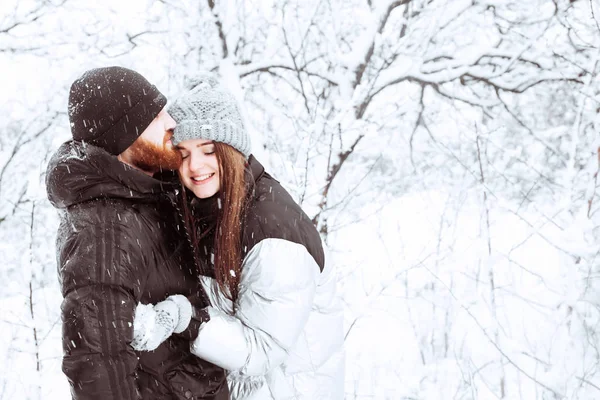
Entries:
{"x":202,"y":179}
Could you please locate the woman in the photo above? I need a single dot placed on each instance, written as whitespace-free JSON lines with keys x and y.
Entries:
{"x":275,"y":322}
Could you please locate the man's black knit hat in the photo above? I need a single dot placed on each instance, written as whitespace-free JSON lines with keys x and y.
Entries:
{"x":111,"y":107}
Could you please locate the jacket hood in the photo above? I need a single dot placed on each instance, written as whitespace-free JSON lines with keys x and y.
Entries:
{"x":80,"y":172}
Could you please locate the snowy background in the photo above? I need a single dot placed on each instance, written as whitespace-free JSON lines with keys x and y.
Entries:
{"x":447,"y":149}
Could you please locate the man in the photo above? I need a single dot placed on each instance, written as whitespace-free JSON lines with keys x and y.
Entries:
{"x":119,"y":243}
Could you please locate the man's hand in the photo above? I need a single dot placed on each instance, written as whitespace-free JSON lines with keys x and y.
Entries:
{"x":152,"y":325}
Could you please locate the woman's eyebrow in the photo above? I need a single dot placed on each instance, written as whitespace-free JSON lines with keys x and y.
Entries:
{"x":205,"y":144}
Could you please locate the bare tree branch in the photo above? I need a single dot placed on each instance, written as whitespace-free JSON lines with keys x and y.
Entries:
{"x":219,"y":25}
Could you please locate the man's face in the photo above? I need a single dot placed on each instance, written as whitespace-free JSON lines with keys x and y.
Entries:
{"x":153,"y":150}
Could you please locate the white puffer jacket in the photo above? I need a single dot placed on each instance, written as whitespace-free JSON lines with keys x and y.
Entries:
{"x":285,"y":338}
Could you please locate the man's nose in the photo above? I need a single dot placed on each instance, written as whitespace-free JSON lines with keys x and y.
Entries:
{"x":170,"y":123}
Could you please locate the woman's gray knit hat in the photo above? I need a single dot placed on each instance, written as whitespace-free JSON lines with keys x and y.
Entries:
{"x":208,"y":111}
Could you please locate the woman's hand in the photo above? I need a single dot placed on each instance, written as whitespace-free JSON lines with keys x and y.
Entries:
{"x":153,"y":324}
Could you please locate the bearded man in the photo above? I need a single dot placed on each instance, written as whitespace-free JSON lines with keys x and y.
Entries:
{"x":119,"y":244}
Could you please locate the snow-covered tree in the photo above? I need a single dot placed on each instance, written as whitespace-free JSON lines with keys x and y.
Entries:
{"x":446,"y":149}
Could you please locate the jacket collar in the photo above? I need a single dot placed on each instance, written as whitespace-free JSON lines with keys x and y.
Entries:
{"x":256,"y":168}
{"x":80,"y":172}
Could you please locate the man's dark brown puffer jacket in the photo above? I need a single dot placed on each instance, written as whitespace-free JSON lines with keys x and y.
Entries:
{"x":119,"y":243}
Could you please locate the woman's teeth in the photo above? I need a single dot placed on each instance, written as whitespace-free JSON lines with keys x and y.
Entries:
{"x":202,"y":177}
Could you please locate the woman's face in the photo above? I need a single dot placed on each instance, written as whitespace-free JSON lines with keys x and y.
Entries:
{"x":199,"y":170}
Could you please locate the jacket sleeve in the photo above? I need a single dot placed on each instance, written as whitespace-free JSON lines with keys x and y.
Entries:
{"x":278,"y":284}
{"x":100,"y":285}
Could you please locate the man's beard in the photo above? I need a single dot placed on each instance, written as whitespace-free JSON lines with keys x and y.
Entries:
{"x":150,"y":157}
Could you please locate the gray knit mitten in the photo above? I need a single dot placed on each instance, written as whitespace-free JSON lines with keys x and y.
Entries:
{"x":152,"y":325}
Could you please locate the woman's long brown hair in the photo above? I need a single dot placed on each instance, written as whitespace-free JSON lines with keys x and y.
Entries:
{"x":231,"y":209}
